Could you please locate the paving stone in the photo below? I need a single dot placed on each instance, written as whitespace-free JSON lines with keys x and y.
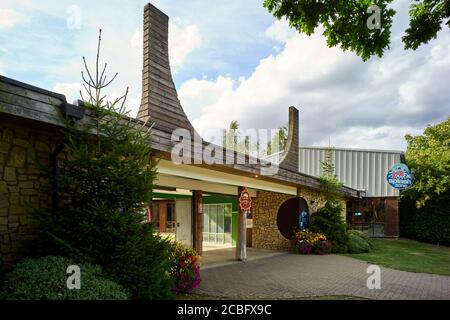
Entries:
{"x":294,"y":276}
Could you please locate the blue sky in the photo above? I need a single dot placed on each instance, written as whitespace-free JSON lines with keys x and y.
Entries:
{"x":233,"y":60}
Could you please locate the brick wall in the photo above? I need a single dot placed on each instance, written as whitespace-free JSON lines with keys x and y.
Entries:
{"x":21,"y":185}
{"x":391,"y":220}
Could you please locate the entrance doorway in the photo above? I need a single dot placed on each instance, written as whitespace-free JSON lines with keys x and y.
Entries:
{"x":184,"y":221}
{"x":217,"y":224}
{"x":171,"y":212}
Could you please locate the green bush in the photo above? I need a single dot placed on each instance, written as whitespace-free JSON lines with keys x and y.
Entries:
{"x":358,"y":243}
{"x":142,"y":264}
{"x":46,"y":279}
{"x":104,"y":182}
{"x":430,"y":223}
{"x":328,"y":220}
{"x":364,"y":236}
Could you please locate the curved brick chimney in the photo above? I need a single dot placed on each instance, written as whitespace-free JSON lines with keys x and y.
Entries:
{"x":160,"y":103}
{"x":290,"y":159}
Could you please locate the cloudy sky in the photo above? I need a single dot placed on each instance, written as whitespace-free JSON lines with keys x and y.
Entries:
{"x":233,"y":61}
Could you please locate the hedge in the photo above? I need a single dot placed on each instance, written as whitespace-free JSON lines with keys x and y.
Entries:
{"x":428,"y":224}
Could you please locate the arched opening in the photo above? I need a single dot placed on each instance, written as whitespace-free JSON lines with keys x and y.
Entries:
{"x":293,"y":214}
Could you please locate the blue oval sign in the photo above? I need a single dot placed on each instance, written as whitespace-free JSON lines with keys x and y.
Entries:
{"x":399,"y":177}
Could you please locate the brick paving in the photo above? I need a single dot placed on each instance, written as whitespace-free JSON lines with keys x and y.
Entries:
{"x":290,"y":276}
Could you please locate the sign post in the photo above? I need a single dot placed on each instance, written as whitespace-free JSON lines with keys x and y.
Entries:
{"x":245,"y":205}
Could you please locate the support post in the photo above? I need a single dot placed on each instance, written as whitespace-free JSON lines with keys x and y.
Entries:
{"x":241,"y":243}
{"x":197,"y":220}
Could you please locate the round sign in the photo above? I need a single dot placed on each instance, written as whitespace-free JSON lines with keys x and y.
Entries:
{"x":245,"y":201}
{"x":399,"y":177}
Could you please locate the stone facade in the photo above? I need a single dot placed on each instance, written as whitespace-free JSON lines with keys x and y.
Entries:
{"x":265,"y":209}
{"x":21,"y":186}
{"x":265,"y":230}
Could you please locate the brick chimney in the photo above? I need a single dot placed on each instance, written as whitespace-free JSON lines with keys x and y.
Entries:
{"x":160,"y":103}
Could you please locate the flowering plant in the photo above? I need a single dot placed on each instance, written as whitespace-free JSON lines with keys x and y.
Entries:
{"x":308,"y":242}
{"x":185,"y":269}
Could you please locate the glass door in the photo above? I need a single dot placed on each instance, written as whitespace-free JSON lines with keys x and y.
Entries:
{"x":217,"y":223}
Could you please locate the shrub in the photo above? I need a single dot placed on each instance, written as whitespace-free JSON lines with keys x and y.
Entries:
{"x":307,"y":242}
{"x":358,"y":243}
{"x":364,"y":236}
{"x":45,"y":279}
{"x":185,"y":269}
{"x":106,"y":181}
{"x":328,"y":220}
{"x":141,"y":266}
{"x":430,"y":223}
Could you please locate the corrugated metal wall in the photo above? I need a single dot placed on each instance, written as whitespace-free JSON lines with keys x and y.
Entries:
{"x":357,"y":169}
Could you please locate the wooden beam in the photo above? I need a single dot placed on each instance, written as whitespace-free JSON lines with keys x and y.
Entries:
{"x":197,"y":220}
{"x":241,"y":243}
{"x":162,"y":216}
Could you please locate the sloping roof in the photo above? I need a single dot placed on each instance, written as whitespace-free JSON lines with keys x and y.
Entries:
{"x":160,"y":105}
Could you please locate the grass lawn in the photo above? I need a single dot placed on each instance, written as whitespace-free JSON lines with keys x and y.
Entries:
{"x":408,"y":255}
{"x":206,"y":297}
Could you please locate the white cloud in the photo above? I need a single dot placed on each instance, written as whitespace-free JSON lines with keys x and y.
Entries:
{"x":280,"y":31}
{"x":182,"y":41}
{"x":70,"y":90}
{"x":205,"y":93}
{"x":356,"y":104}
{"x":10,"y":18}
{"x":137,"y":42}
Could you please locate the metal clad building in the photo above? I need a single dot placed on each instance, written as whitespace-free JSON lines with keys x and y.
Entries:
{"x":357,"y":168}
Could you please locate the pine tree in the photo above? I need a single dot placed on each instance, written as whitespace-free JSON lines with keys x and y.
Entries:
{"x":328,"y":219}
{"x":107,"y":180}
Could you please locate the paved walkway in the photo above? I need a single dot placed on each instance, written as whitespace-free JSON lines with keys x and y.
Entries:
{"x":288,"y":276}
{"x":217,"y":257}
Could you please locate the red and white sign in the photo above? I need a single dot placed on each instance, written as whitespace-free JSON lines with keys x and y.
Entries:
{"x":245,"y":201}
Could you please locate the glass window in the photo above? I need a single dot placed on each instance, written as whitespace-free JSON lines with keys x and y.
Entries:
{"x":220,"y":218}
{"x":170,"y":214}
{"x":205,"y":219}
{"x":155,"y":214}
{"x":217,"y":220}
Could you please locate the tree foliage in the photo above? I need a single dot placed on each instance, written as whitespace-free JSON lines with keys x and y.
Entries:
{"x":105,"y":183}
{"x":344,"y":22}
{"x":428,"y":155}
{"x":278,"y":141}
{"x":328,"y":219}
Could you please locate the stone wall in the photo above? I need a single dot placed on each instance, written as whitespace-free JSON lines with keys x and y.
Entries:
{"x":21,"y":186}
{"x":265,"y":229}
{"x":265,"y":210}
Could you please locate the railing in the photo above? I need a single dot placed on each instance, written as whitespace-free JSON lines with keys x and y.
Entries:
{"x":372,"y":229}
